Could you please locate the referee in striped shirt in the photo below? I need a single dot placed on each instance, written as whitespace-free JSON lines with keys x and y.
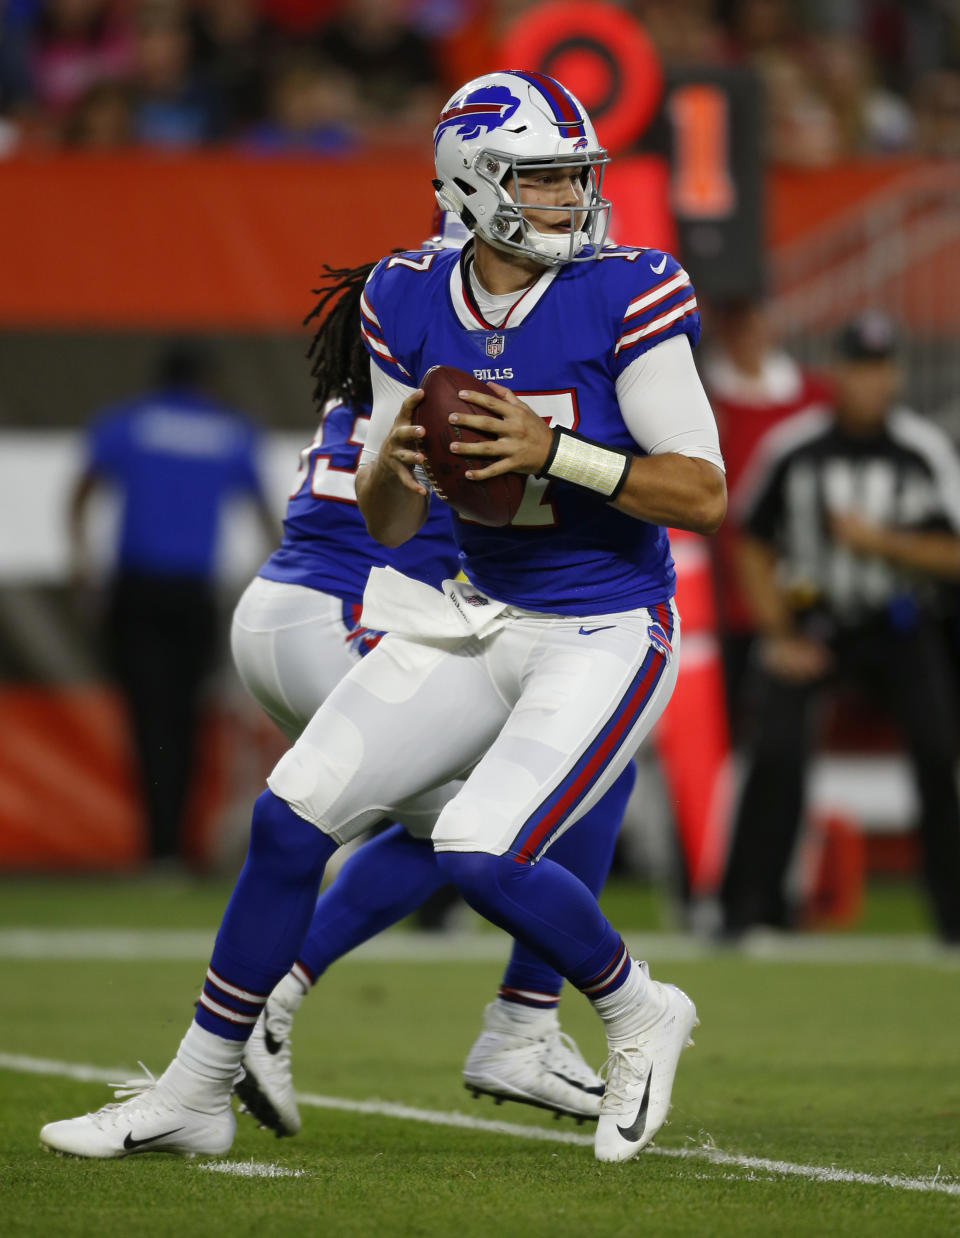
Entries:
{"x":851,"y":522}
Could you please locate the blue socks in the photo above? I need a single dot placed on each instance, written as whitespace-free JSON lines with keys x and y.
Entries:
{"x":266,"y":918}
{"x":274,"y":918}
{"x":548,"y":910}
{"x":383,"y":881}
{"x":392,"y":874}
{"x":586,"y":850}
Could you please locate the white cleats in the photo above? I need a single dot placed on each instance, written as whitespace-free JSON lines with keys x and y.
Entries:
{"x":153,"y":1119}
{"x":534,"y":1064}
{"x":266,"y":1088}
{"x":639,"y":1076}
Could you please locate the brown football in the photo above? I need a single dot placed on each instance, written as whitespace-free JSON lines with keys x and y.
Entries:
{"x":493,"y":502}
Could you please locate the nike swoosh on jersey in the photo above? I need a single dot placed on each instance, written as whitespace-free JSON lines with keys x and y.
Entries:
{"x":581,"y":1087}
{"x":657,"y":268}
{"x":635,"y":1129}
{"x":590,"y":631}
{"x":129,"y":1142}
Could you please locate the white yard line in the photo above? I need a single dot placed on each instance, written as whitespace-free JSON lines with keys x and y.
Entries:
{"x":59,"y":944}
{"x":24,"y":1065}
{"x":252,"y":1169}
{"x":414,"y":947}
{"x":387,"y":1109}
{"x":441,"y":1117}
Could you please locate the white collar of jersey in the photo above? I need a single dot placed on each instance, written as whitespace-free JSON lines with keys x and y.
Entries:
{"x":467,"y":310}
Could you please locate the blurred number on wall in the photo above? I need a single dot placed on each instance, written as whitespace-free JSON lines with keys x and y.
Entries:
{"x":711,"y":124}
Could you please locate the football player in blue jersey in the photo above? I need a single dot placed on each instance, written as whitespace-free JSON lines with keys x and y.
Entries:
{"x":540,"y":677}
{"x":295,"y":635}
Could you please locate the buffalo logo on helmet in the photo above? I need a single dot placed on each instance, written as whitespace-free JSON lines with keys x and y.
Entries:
{"x":581,"y":144}
{"x":480,"y":111}
{"x":495,"y":345}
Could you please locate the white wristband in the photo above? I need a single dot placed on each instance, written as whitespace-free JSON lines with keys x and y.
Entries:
{"x":585,"y":463}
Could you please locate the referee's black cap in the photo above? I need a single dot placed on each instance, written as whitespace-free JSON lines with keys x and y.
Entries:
{"x":871,"y":336}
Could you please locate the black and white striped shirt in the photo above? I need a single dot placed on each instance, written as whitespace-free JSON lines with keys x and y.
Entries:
{"x":906,"y":476}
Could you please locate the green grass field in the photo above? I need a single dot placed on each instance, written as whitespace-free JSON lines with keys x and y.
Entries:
{"x":843,"y":1065}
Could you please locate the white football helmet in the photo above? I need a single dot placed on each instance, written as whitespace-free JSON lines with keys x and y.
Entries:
{"x":503,"y":124}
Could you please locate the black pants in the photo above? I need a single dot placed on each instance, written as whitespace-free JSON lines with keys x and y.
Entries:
{"x":910,"y":675}
{"x":161,"y":644}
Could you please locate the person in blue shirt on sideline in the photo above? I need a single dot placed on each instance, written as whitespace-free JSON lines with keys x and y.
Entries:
{"x":174,"y":455}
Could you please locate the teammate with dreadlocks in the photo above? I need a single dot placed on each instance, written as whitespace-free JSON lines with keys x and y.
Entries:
{"x":294,"y":637}
{"x":313,"y":583}
{"x":341,"y":364}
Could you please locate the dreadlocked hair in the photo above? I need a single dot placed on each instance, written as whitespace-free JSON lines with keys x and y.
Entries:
{"x":341,"y":365}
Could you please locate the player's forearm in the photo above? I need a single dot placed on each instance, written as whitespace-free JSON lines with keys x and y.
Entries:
{"x":393,"y":512}
{"x":937,"y":554}
{"x":757,"y":569}
{"x":683,"y":492}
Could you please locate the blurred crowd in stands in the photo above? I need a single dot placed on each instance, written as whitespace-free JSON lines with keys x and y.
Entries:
{"x":842,"y":77}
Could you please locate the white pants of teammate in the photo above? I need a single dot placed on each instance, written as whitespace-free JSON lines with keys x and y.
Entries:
{"x":545,"y":713}
{"x":290,"y":646}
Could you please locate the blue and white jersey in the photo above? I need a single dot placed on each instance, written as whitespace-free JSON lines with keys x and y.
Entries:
{"x":561,"y":349}
{"x":325,"y":542}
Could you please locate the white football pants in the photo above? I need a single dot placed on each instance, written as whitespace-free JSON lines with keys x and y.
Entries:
{"x":544,"y":713}
{"x":291,"y":646}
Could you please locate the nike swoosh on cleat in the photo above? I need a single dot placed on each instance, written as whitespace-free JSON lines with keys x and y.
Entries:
{"x":129,"y":1142}
{"x":635,"y":1129}
{"x":581,"y":1087}
{"x":270,"y":1041}
{"x":658,"y":269}
{"x":590,"y":631}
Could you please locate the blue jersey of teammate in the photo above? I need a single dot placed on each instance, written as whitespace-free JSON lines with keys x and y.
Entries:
{"x":325,"y":543}
{"x":561,"y":350}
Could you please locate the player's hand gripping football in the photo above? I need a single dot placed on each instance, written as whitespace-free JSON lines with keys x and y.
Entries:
{"x":522,"y":441}
{"x":398,"y":452}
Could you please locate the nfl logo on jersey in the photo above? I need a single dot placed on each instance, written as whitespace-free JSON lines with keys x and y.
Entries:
{"x":495,"y":345}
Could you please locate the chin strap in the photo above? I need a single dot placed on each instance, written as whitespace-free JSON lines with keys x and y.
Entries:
{"x":560,"y":249}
